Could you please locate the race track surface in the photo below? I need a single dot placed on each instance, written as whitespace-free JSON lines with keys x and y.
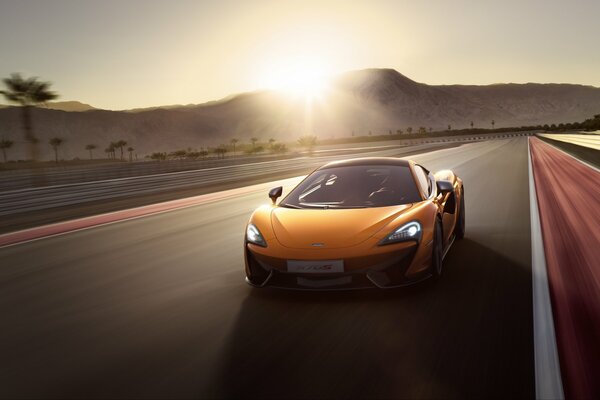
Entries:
{"x":157,"y":307}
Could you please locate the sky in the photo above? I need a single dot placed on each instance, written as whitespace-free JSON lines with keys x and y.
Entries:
{"x":125,"y":54}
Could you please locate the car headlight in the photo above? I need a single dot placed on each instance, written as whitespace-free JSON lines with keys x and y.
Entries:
{"x":254,"y":236}
{"x":410,"y":231}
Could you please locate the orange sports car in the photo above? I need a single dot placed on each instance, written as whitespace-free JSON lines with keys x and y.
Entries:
{"x":360,"y":223}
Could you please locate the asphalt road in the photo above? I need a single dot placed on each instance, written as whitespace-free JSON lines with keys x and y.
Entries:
{"x":157,"y":307}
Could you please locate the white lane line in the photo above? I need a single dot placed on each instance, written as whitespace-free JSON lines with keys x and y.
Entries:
{"x":548,"y":381}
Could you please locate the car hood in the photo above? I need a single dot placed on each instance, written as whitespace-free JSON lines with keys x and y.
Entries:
{"x":331,"y":228}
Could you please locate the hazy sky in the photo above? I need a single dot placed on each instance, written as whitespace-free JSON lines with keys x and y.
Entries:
{"x":125,"y":54}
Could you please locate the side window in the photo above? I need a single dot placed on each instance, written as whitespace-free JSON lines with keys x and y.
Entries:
{"x":423,"y":179}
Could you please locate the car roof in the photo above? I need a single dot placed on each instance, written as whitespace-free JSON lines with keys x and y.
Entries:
{"x":368,"y":161}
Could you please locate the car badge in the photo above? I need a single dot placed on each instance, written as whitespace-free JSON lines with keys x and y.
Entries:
{"x":318,"y":244}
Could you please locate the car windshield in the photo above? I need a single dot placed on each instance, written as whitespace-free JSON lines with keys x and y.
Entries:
{"x":356,"y":186}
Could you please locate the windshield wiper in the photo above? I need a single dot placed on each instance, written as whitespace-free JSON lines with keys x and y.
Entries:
{"x":347,"y":207}
{"x":316,"y":205}
{"x":290,"y":206}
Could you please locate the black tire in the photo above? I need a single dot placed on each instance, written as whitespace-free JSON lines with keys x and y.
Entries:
{"x":437,"y":251}
{"x":459,"y":231}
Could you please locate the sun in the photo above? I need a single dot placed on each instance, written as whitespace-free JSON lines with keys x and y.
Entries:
{"x":303,"y":77}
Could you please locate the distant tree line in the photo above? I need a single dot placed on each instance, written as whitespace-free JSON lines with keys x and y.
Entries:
{"x":409,"y":132}
{"x":253,"y":147}
{"x":590,"y":124}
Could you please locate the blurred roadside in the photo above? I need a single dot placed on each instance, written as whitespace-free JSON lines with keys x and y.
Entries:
{"x":98,"y":170}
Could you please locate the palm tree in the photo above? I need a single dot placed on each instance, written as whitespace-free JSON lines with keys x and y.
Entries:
{"x":449,"y":127}
{"x":27,"y":93}
{"x":271,"y":141}
{"x":90,"y":148}
{"x":409,"y":129}
{"x":471,"y":124}
{"x":233,"y":142}
{"x":5,"y":144}
{"x":130,"y":150}
{"x":120,"y":144}
{"x":55,"y":143}
{"x":253,"y":140}
{"x":113,"y":146}
{"x":493,"y":123}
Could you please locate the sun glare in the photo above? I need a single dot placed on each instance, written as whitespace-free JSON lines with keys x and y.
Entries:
{"x":305,"y":78}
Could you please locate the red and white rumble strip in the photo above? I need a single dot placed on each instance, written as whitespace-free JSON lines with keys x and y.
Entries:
{"x":567,"y":193}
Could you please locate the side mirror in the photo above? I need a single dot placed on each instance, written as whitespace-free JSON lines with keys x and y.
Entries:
{"x":444,"y":186}
{"x":275,"y":193}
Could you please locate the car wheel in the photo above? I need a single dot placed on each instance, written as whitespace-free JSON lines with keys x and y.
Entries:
{"x":459,"y":231}
{"x":437,"y":252}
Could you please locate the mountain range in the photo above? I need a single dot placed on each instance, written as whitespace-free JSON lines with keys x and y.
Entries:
{"x":359,"y":102}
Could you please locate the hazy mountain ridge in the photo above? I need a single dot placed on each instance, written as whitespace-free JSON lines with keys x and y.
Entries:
{"x":374,"y":100}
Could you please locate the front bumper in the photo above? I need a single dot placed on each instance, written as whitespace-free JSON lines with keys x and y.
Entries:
{"x":382,"y":271}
